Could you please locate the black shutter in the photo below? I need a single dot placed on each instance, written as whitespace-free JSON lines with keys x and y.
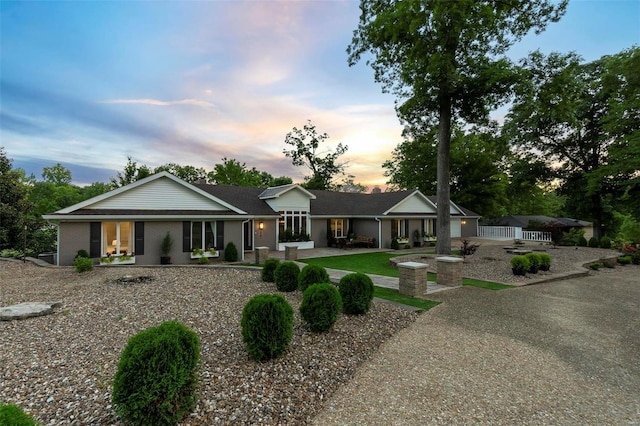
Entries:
{"x":220,"y":234}
{"x":186,"y":236}
{"x":350,"y":230}
{"x":139,"y":244}
{"x":95,"y":243}
{"x":406,"y":228}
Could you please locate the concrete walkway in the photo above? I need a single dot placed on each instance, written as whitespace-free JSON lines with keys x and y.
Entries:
{"x":565,"y":352}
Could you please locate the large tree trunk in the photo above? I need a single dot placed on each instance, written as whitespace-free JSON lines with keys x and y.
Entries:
{"x":596,"y":212}
{"x":443,"y":244}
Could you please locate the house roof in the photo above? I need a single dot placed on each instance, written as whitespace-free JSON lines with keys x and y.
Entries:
{"x":523,"y":221}
{"x":244,"y":197}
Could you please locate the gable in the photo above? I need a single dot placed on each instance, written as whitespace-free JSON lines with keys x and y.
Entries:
{"x":294,"y":199}
{"x":414,"y":203}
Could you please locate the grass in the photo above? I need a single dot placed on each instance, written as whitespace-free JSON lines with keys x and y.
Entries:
{"x":472,"y":282}
{"x":395,"y":296}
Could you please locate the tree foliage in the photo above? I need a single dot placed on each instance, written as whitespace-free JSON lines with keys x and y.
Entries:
{"x":445,"y":61}
{"x":585,"y":120}
{"x":189,"y":174}
{"x":131,"y":173}
{"x":232,"y":172}
{"x":324,"y":166}
{"x":15,"y":207}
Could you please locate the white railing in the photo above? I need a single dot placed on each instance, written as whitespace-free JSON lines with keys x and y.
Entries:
{"x":512,"y":233}
{"x":536,"y":236}
{"x":500,"y":232}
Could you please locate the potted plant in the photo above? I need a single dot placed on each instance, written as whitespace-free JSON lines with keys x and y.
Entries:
{"x":165,"y":249}
{"x":519,"y":265}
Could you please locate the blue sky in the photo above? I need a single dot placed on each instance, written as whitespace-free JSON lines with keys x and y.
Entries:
{"x":88,"y":84}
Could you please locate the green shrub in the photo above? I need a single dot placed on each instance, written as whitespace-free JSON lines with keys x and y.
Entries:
{"x":203,"y":260}
{"x":12,"y":415}
{"x":593,"y":242}
{"x":595,"y":266}
{"x":545,"y":261}
{"x":12,"y":253}
{"x":520,"y":265}
{"x":83,"y":264}
{"x":534,"y":262}
{"x":605,"y":243}
{"x":312,"y":274}
{"x":231,"y":252}
{"x":321,"y":304}
{"x":82,"y":253}
{"x":635,"y":258}
{"x":356,"y":290}
{"x":582,"y":241}
{"x":624,"y":260}
{"x":267,"y":326}
{"x":156,"y":379}
{"x":269,"y":269}
{"x":395,"y":245}
{"x":286,"y":276}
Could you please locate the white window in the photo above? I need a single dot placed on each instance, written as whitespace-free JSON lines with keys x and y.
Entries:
{"x":399,"y":228}
{"x":203,"y":235}
{"x":117,"y":238}
{"x":338,"y":228}
{"x":293,"y":222}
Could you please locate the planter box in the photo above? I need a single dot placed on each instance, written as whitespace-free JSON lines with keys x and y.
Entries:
{"x":116,"y":260}
{"x":302,"y":245}
{"x":403,"y":241}
{"x":216,"y":253}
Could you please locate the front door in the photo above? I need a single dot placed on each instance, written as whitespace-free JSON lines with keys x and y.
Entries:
{"x":248,"y":235}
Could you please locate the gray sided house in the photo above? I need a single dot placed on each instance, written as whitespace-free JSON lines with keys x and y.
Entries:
{"x":128,"y":224}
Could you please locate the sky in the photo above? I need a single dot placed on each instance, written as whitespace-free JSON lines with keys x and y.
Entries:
{"x":90,"y":83}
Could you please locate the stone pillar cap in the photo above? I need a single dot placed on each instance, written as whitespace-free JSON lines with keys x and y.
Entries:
{"x":412,"y":265}
{"x":450,"y":259}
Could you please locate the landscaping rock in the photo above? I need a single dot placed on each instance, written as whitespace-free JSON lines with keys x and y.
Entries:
{"x":27,"y":310}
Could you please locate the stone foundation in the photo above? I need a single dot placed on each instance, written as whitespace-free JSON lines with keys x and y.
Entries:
{"x":449,"y":271}
{"x":413,"y":278}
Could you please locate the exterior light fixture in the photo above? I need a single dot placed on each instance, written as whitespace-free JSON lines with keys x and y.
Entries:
{"x":261,"y":226}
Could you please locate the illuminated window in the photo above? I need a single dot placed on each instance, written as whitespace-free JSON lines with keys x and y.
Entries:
{"x":203,"y":235}
{"x":338,"y":228}
{"x":117,"y":237}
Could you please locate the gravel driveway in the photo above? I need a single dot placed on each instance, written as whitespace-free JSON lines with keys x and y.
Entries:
{"x":565,"y":352}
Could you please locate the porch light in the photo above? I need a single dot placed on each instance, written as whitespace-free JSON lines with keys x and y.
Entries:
{"x":464,"y":222}
{"x":261,"y":226}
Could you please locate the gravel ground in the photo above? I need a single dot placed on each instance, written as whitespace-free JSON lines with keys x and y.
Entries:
{"x":491,"y":262}
{"x":59,"y":367}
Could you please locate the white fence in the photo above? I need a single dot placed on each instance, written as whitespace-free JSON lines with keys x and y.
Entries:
{"x":512,"y":233}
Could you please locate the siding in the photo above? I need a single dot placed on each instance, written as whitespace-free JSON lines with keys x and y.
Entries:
{"x":73,"y":237}
{"x":414,"y":204}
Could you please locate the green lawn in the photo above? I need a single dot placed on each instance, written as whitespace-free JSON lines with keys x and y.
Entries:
{"x":395,"y":296}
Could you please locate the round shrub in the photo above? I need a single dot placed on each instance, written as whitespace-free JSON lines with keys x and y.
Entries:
{"x":312,"y":274}
{"x":267,"y":326}
{"x":83,"y":264}
{"x":520,"y":265}
{"x":624,"y":260}
{"x":545,"y":261}
{"x":395,"y":245}
{"x":321,"y":304}
{"x":13,"y":415}
{"x":605,"y":243}
{"x":269,"y":269}
{"x":82,"y":253}
{"x":595,"y":266}
{"x":534,"y":262}
{"x":286,"y":276}
{"x":156,"y":378}
{"x":593,"y":242}
{"x":231,"y":252}
{"x":203,"y":260}
{"x":356,"y":290}
{"x":582,"y":241}
{"x":635,"y":258}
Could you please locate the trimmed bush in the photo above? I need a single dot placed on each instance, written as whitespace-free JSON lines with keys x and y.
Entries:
{"x":595,"y":266}
{"x":286,"y":276}
{"x":231,"y":252}
{"x":12,"y":415}
{"x":582,"y":241}
{"x":82,"y":253}
{"x":267,"y":326}
{"x":635,"y":258}
{"x":356,"y":290}
{"x":312,"y":274}
{"x":83,"y":264}
{"x":520,"y":265}
{"x":593,"y":242}
{"x":534,"y":262}
{"x":269,"y":269}
{"x":624,"y":260}
{"x":545,"y":261}
{"x":605,"y":243}
{"x":321,"y":304}
{"x":156,"y":379}
{"x":395,"y":245}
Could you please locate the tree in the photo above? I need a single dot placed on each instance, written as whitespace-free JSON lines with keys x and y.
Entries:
{"x":131,"y":173}
{"x":584,"y":119}
{"x":14,"y":204}
{"x":232,"y":172}
{"x":478,"y":178}
{"x":348,"y":184}
{"x":323,"y":166}
{"x":445,"y":61}
{"x":189,"y":174}
{"x":57,"y":174}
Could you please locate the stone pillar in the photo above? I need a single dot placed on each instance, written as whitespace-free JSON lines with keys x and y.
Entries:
{"x":449,"y":271}
{"x":291,"y":253}
{"x":262,"y":254}
{"x":413,"y":278}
